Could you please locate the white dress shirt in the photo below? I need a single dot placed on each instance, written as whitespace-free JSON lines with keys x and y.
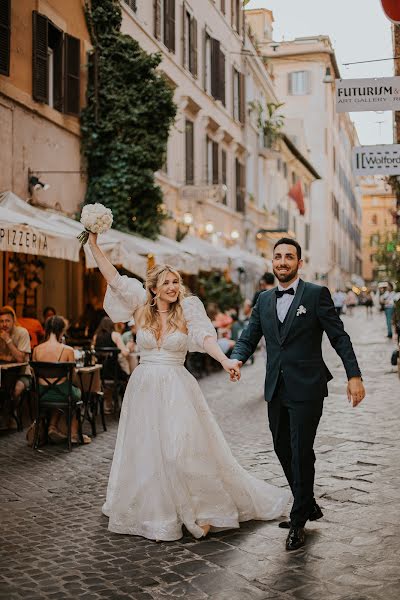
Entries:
{"x":283,"y":304}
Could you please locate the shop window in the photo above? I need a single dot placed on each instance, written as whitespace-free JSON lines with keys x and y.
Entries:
{"x":5,"y":34}
{"x":55,"y":66}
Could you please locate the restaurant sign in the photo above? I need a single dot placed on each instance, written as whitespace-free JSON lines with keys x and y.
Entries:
{"x":354,"y":95}
{"x":27,"y":240}
{"x":376,"y":160}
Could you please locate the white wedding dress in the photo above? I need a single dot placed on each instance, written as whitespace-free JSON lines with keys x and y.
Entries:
{"x":172,"y":465}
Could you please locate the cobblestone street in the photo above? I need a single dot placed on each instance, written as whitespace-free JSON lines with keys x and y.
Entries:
{"x":55,"y":544}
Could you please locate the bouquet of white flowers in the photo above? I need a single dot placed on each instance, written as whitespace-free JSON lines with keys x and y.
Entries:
{"x":95,"y":218}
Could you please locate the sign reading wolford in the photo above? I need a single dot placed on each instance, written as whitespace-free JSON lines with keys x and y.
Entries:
{"x":376,"y":160}
{"x":382,"y":93}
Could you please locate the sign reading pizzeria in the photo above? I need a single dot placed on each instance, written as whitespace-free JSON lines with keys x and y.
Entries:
{"x":353,"y":95}
{"x":20,"y":238}
{"x":376,"y":160}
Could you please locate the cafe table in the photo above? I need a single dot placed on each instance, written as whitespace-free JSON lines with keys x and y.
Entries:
{"x":88,"y":380}
{"x":4,"y":366}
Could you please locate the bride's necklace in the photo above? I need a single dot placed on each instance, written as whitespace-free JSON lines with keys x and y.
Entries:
{"x":162,"y":311}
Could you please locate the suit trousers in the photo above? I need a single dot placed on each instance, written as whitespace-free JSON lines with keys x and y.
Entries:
{"x":293,"y":426}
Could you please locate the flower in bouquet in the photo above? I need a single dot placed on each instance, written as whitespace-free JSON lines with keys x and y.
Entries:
{"x":95,"y":218}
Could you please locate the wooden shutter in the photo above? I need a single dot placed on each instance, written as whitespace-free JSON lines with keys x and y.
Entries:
{"x":40,"y":65}
{"x":215,"y":51}
{"x":72,"y":69}
{"x":223,"y":6}
{"x":242,"y":96}
{"x":157,"y":19}
{"x":193,"y":47}
{"x":240,"y":186}
{"x":223,"y":174}
{"x":215,"y":165}
{"x":189,"y":153}
{"x":221,"y":77}
{"x":169,"y":24}
{"x":205,"y":58}
{"x":5,"y":32}
{"x":184,"y":40}
{"x":58,"y":73}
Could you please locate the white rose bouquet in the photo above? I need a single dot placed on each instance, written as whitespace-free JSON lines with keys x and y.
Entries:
{"x":95,"y":218}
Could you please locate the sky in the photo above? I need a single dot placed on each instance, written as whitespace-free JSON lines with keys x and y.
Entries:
{"x":359,"y":31}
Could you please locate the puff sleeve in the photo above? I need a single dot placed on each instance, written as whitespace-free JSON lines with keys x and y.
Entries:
{"x":123,"y":296}
{"x":198,"y":324}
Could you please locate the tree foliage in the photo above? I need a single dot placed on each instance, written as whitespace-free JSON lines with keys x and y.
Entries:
{"x":125,"y":124}
{"x":387,"y":257}
{"x":216,"y":288}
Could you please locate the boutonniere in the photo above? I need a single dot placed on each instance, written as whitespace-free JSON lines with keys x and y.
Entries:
{"x":301,"y":311}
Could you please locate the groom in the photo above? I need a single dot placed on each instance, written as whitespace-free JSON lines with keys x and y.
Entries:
{"x":293,"y":318}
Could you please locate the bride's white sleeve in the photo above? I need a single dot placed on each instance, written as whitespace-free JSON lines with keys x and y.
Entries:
{"x":198,"y":324}
{"x":123,"y":296}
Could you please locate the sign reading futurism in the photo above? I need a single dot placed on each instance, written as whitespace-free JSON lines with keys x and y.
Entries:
{"x":376,"y":160}
{"x":381,"y":93}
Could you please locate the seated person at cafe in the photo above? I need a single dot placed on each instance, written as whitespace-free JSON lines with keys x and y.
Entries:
{"x":53,"y":350}
{"x":15,"y":347}
{"x":33,"y":325}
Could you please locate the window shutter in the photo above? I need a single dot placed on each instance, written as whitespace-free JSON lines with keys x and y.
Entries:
{"x":169,"y":25}
{"x":223,"y":6}
{"x":205,"y":58}
{"x":189,"y":154}
{"x":215,"y":50}
{"x":193,"y":47}
{"x":223,"y":173}
{"x":307,"y":82}
{"x":5,"y":32}
{"x":184,"y":40}
{"x":221,"y":77}
{"x":72,"y":68}
{"x":215,"y":169}
{"x":290,"y":83}
{"x":58,"y":74}
{"x":40,"y":67}
{"x":242,"y":95}
{"x":157,"y":19}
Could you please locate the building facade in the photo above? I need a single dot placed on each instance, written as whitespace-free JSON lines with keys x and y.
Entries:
{"x":303,"y":72}
{"x":378,"y":221}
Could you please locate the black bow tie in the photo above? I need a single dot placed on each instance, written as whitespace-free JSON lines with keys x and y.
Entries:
{"x":280,"y":293}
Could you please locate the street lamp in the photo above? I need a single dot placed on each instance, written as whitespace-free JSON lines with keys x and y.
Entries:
{"x":209,"y":227}
{"x":235,"y":235}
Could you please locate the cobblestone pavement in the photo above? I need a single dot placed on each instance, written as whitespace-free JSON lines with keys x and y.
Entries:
{"x":55,"y":543}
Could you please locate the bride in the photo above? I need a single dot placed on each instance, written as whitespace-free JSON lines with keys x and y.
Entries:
{"x":172,"y":465}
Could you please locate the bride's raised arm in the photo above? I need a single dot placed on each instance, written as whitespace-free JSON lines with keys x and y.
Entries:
{"x":124,"y":294}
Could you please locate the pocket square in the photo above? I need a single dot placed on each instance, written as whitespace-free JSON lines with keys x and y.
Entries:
{"x":301,"y":311}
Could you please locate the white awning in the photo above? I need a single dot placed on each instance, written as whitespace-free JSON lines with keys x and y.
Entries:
{"x":210,"y":256}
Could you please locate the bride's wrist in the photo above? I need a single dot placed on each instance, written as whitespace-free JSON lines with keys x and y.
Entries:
{"x":224,"y":359}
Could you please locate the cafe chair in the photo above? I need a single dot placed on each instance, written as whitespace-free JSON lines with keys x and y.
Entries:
{"x":52,"y":373}
{"x":111,"y":373}
{"x":9,"y":378}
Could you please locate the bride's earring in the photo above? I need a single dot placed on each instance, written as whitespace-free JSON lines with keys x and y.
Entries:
{"x":154,"y":301}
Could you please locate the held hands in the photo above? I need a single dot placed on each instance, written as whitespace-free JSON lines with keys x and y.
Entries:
{"x":355,"y":391}
{"x":232,"y":367}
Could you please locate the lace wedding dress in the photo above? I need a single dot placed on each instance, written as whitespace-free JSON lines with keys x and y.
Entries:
{"x":172,"y":465}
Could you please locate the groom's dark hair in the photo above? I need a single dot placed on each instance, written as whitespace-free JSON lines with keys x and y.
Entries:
{"x":290,"y":242}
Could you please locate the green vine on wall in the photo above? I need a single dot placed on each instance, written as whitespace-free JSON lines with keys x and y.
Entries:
{"x":125,"y":124}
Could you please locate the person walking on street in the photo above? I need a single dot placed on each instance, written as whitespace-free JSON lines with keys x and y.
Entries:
{"x":339,"y":301}
{"x":388,"y":307}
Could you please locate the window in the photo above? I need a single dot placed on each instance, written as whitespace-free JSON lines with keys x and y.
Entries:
{"x":164,"y":22}
{"x":294,"y":178}
{"x":212,"y":162}
{"x":334,"y":158}
{"x":224,"y":177}
{"x":335,"y":207}
{"x":5,"y":33}
{"x":214,"y":68}
{"x":279,"y":165}
{"x":189,"y":41}
{"x":374,"y":219}
{"x":223,"y":6}
{"x":189,"y":152}
{"x":238,"y":82}
{"x":56,"y":66}
{"x":240,"y":186}
{"x":235,"y":14}
{"x":132,"y":4}
{"x":299,"y":83}
{"x":307,"y":236}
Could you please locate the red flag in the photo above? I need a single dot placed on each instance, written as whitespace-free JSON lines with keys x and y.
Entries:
{"x":296,"y":194}
{"x":391,"y":9}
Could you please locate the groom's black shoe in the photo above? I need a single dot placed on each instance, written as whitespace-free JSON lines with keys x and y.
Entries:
{"x":315,"y":514}
{"x":296,"y":538}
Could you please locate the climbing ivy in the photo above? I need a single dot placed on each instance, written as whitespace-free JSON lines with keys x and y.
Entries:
{"x":125,"y":124}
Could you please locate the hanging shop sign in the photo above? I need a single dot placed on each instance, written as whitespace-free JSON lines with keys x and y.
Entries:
{"x":353,"y":95}
{"x":376,"y":160}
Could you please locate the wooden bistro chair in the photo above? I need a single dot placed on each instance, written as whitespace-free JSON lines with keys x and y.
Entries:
{"x":52,"y":373}
{"x":111,"y":380}
{"x":9,"y":378}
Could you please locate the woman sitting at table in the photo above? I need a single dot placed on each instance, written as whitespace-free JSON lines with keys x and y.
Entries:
{"x":53,"y":350}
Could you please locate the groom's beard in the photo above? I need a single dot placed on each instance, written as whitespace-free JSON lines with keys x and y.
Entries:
{"x":285,"y":276}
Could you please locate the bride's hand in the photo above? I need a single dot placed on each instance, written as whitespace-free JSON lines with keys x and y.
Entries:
{"x":93,"y":238}
{"x":232,"y":366}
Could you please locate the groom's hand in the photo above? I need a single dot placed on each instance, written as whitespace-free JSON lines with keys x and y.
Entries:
{"x":355,"y":390}
{"x":232,"y":366}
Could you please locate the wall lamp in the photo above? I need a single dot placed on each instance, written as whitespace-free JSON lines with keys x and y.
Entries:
{"x":328,"y":76}
{"x":35,"y":184}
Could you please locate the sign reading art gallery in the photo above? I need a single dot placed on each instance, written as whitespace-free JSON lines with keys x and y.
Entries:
{"x":376,"y":160}
{"x":354,"y":95}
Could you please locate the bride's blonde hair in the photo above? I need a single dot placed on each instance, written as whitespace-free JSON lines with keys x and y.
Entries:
{"x":151,"y":317}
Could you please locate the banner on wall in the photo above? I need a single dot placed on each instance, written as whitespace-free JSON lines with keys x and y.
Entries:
{"x":376,"y":160}
{"x":354,"y":95}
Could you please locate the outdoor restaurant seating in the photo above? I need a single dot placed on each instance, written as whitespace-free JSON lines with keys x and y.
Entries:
{"x":9,"y":378}
{"x":111,"y":374}
{"x":52,"y":374}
